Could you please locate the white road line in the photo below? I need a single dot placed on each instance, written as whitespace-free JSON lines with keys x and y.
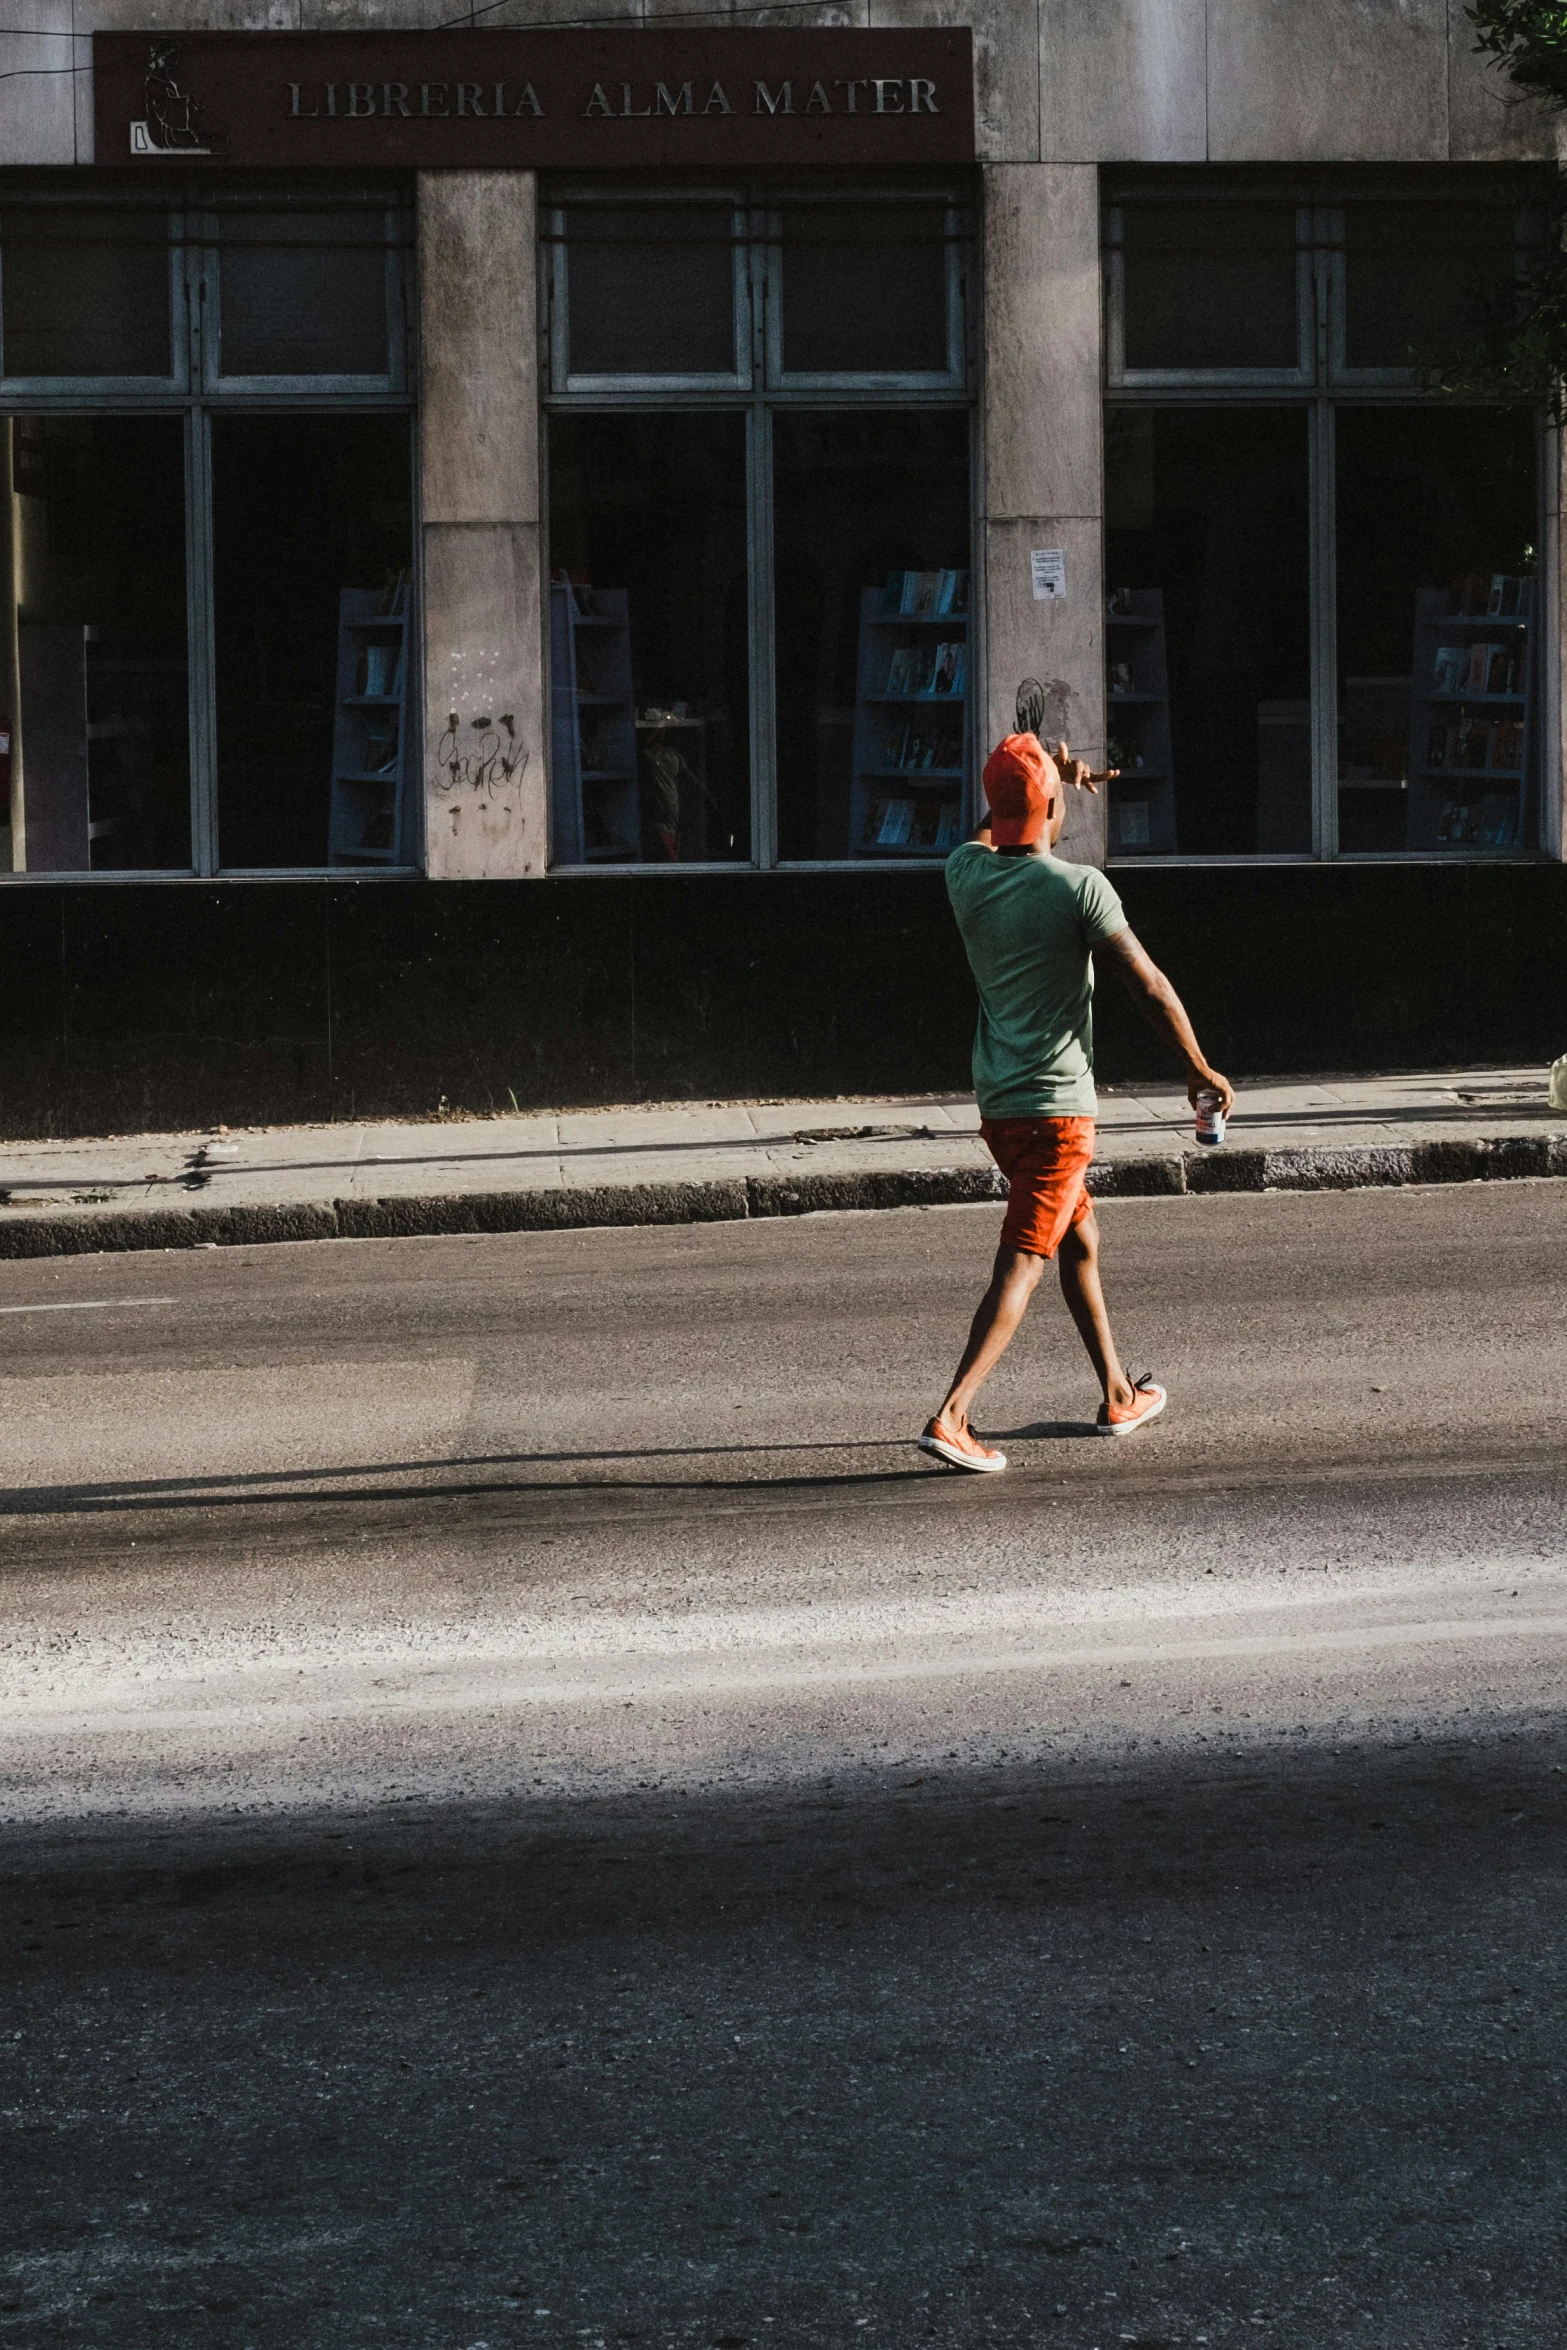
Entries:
{"x":88,"y":1305}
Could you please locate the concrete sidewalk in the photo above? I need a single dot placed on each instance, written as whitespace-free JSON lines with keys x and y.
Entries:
{"x":706,"y":1162}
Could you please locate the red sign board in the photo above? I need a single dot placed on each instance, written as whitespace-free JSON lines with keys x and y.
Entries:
{"x":610,"y":99}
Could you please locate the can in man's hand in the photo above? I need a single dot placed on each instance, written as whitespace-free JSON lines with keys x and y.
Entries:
{"x":1210,"y":1117}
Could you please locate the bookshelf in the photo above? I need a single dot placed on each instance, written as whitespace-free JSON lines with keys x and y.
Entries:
{"x":593,"y":729}
{"x":1470,"y":713}
{"x":1142,"y":799}
{"x":911,"y":732}
{"x":370,"y":733}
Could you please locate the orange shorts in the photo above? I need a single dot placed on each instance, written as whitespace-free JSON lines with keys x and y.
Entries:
{"x":1044,"y":1161}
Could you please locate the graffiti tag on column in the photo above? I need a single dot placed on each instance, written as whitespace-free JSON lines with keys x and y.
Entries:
{"x":487,"y":764}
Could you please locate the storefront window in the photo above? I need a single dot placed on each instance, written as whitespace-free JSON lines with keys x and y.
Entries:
{"x":1322,"y":613}
{"x":650,"y":292}
{"x":85,"y":291}
{"x":304,"y":294}
{"x":864,"y":291}
{"x":1420,"y":277}
{"x":649,"y":638}
{"x":205,"y":614}
{"x":312,"y":544}
{"x":1209,"y":632}
{"x":870,"y":628}
{"x":1203,"y":286}
{"x":1437,"y":627}
{"x":759,"y":528}
{"x":93,"y":675}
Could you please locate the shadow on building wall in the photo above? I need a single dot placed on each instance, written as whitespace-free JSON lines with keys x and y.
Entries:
{"x":167,"y":1007}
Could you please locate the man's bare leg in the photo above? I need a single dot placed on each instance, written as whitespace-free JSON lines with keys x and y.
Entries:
{"x":1085,"y":1300}
{"x":1013,"y":1281}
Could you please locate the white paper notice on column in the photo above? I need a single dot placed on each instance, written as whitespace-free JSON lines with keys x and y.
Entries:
{"x":1047,"y":572}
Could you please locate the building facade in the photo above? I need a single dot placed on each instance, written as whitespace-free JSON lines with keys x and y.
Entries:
{"x":520,"y":530}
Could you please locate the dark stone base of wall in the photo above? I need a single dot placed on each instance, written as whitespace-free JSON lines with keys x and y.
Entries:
{"x":177,"y":1006}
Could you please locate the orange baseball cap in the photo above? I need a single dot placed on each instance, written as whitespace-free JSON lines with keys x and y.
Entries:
{"x":1020,"y":786}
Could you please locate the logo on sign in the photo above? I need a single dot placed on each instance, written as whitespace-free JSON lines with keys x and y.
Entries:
{"x":172,"y":124}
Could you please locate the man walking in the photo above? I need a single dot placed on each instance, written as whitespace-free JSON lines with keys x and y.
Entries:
{"x":1030,"y":924}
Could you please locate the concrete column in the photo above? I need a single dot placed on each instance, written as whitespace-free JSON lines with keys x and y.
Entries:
{"x":485,"y":707}
{"x":1043,"y":464}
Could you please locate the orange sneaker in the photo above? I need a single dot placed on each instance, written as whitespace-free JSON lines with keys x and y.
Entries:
{"x":1121,"y":1419}
{"x":961,"y":1448}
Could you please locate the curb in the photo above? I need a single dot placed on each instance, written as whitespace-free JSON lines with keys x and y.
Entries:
{"x":740,"y":1199}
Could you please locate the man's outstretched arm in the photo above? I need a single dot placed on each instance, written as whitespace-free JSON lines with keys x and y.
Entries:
{"x":1165,"y":1013}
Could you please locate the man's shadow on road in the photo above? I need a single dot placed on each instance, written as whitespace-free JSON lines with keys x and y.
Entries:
{"x":370,"y":1481}
{"x":600,"y":1473}
{"x":1040,"y":1431}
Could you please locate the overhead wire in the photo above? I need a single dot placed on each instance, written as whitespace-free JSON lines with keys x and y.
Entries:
{"x":468,"y":19}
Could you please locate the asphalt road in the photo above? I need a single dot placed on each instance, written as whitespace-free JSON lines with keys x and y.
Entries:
{"x":531,"y":1816}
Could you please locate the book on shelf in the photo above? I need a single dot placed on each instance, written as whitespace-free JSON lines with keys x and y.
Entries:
{"x":1467,"y":744}
{"x":1487,"y":668}
{"x":1491,"y":822}
{"x":1497,"y":821}
{"x":927,"y":595}
{"x":1479,"y":667}
{"x":915,"y":747}
{"x":947,"y":671}
{"x":382,"y":743}
{"x":1474,"y":741}
{"x":936,"y":825}
{"x":1450,"y":668}
{"x":888,"y":824}
{"x":1131,"y":824}
{"x":1506,"y":597}
{"x":915,"y":669}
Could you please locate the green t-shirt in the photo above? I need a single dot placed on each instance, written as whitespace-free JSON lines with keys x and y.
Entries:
{"x":1029,"y":925}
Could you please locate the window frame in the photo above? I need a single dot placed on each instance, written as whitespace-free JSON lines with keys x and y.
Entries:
{"x":950,"y":379}
{"x":44,"y":390}
{"x":1332,"y":243}
{"x":1124,"y":378}
{"x":197,"y":393}
{"x":562,"y":382}
{"x":398,"y":275}
{"x":758,"y":395}
{"x":1329,"y":387}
